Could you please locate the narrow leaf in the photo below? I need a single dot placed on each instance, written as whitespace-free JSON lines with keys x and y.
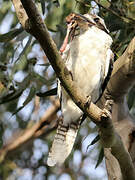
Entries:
{"x":10,"y":35}
{"x":13,"y":95}
{"x":24,"y":49}
{"x":30,"y":96}
{"x":43,"y":6}
{"x":100,"y":157}
{"x":27,"y":100}
{"x":46,"y":64}
{"x":39,"y":78}
{"x":95,"y":140}
{"x":19,"y":109}
{"x":51,"y":92}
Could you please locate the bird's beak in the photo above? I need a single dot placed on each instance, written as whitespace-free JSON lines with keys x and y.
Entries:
{"x":102,"y":27}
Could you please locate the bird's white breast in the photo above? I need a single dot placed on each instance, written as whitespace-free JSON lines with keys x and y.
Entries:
{"x":87,"y":60}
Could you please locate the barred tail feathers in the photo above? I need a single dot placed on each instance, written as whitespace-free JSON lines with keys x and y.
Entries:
{"x":62,"y":144}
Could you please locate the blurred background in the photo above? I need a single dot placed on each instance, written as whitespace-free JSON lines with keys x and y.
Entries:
{"x":29,"y":108}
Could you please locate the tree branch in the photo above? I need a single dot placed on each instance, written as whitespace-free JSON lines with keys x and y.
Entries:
{"x":122,"y":79}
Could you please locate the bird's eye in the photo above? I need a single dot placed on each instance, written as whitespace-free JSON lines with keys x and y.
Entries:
{"x":96,"y":20}
{"x":67,"y":22}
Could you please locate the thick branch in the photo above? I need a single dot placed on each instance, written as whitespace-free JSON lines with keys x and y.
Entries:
{"x":122,"y":79}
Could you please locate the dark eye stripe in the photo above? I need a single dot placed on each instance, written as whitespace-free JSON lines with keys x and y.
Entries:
{"x":96,"y":20}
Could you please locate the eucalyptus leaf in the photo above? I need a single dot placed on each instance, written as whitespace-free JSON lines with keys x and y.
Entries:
{"x":14,"y":95}
{"x":27,"y":100}
{"x":51,"y":92}
{"x":10,"y":96}
{"x":10,"y":35}
{"x":100,"y":157}
{"x":95,"y":140}
{"x":19,"y":109}
{"x":30,"y":96}
{"x":43,"y":6}
{"x":39,"y":78}
{"x":24,"y":49}
{"x":46,"y":64}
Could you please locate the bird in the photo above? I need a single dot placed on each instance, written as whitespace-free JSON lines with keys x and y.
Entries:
{"x":86,"y":52}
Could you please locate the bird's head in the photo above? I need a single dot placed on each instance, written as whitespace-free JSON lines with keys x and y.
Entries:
{"x":75,"y":21}
{"x":97,"y":21}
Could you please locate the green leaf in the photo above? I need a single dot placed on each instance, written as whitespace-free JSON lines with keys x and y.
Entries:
{"x":51,"y":92}
{"x":46,"y":64}
{"x":105,"y":3}
{"x":10,"y":35}
{"x":25,"y":48}
{"x":100,"y":157}
{"x":43,"y":6}
{"x":13,"y":95}
{"x":22,"y":36}
{"x":19,"y":109}
{"x":95,"y":140}
{"x":57,"y":16}
{"x":30,"y":96}
{"x":39,"y":78}
{"x":27,"y":100}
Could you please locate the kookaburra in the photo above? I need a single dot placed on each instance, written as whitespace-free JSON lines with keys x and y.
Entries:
{"x":87,"y":55}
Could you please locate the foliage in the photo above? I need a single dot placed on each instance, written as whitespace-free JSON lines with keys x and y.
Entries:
{"x":25,"y":74}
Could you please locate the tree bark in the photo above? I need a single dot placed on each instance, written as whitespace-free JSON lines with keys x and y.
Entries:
{"x":118,"y":87}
